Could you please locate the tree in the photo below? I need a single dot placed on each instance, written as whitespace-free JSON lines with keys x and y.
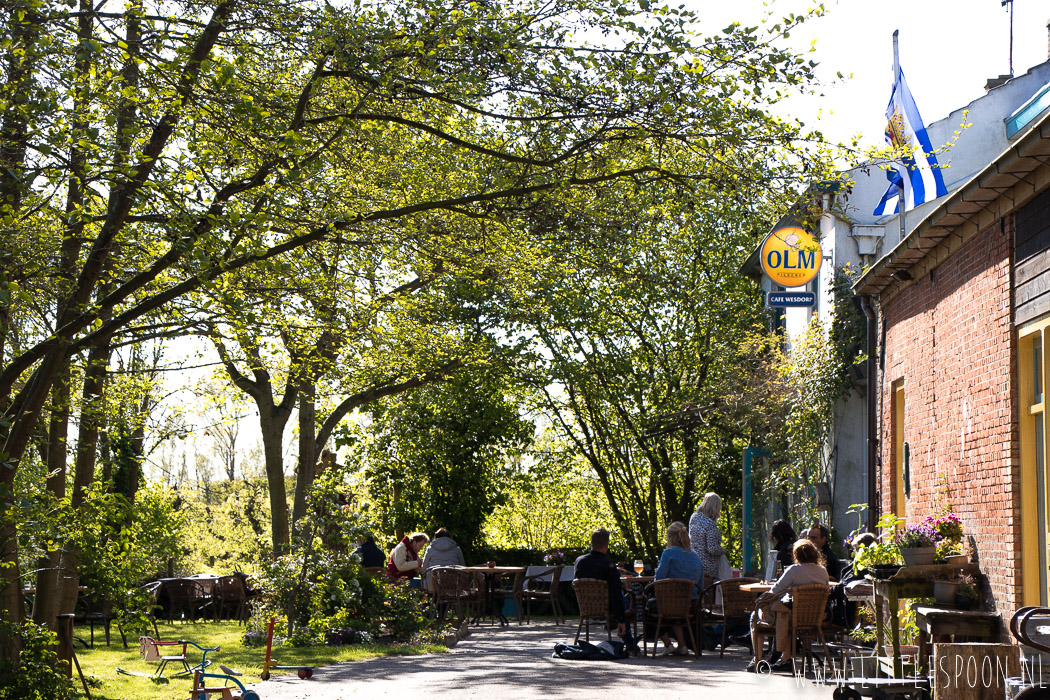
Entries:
{"x":194,"y":139}
{"x":446,"y":448}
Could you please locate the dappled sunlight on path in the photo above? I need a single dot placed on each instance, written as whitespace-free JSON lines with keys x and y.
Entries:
{"x":515,"y":662}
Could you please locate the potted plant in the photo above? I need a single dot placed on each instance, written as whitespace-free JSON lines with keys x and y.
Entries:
{"x":966,"y":595}
{"x":945,"y":591}
{"x":882,"y":559}
{"x":949,"y":528}
{"x":918,"y":544}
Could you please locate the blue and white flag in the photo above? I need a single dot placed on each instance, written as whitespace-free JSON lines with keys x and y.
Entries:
{"x":918,"y":169}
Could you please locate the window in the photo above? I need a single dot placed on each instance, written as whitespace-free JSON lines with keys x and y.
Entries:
{"x":1034,"y":502}
{"x":899,"y":449}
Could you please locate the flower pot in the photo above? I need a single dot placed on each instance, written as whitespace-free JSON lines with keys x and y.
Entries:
{"x":918,"y":556}
{"x":451,"y":639}
{"x":944,"y":592}
{"x":884,"y":571}
{"x":957,"y":560}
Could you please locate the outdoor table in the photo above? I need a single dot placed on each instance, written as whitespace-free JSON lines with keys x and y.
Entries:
{"x":908,"y":582}
{"x":758,"y":587}
{"x":492,"y":574}
{"x":934,"y":621}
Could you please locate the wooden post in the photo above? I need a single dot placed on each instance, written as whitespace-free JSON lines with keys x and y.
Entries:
{"x":972,"y":671}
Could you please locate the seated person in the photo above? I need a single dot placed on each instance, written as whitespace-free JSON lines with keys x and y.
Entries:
{"x":678,"y":561}
{"x":808,"y":569}
{"x":597,"y":564}
{"x":818,"y":535}
{"x":369,"y":554}
{"x":443,"y":551}
{"x":782,"y":536}
{"x":404,"y":559}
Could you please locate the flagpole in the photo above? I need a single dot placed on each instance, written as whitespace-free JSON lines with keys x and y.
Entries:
{"x":900,"y":188}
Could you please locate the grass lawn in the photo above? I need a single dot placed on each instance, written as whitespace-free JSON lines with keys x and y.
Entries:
{"x":102,"y":661}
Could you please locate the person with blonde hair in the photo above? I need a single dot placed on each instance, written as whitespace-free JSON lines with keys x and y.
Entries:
{"x":807,"y":569}
{"x":678,"y":561}
{"x":705,"y":535}
{"x":404,"y":559}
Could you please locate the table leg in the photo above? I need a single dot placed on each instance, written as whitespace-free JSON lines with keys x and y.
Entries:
{"x":895,"y":631}
{"x":880,"y":627}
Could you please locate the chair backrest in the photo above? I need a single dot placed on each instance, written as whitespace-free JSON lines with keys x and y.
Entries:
{"x":735,"y":602}
{"x":674,"y":597}
{"x":808,"y":605}
{"x":592,"y":595}
{"x":448,"y":582}
{"x":230,"y":589}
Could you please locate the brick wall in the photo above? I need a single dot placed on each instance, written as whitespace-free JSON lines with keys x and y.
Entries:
{"x":951,"y":340}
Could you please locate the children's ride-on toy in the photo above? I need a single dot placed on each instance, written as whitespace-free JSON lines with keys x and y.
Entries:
{"x":156,"y":650}
{"x":302,"y":671}
{"x":203,"y":692}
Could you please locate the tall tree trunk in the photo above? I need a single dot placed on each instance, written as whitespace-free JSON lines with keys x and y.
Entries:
{"x":273,"y":420}
{"x":307,"y":456}
{"x":91,"y":421}
{"x":46,"y":605}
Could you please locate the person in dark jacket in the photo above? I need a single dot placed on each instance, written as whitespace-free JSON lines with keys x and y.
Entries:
{"x":818,"y":535}
{"x":597,"y":564}
{"x":369,"y":554}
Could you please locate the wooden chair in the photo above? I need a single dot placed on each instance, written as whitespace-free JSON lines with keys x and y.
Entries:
{"x":674,"y":604}
{"x":592,"y":595}
{"x":542,"y":586}
{"x":736,"y":606}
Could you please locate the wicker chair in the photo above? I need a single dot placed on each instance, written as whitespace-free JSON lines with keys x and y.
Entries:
{"x":807,"y":615}
{"x":592,"y":595}
{"x":231,"y":598}
{"x":539,"y":587}
{"x":737,"y":605}
{"x":186,"y":597}
{"x":452,"y":587}
{"x":674,"y":604}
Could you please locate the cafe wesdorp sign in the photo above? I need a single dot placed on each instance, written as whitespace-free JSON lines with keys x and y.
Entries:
{"x":791,"y":256}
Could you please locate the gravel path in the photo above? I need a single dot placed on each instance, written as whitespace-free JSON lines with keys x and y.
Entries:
{"x":515,"y":663}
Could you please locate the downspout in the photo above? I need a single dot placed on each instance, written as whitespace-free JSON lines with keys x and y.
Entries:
{"x":872,"y":424}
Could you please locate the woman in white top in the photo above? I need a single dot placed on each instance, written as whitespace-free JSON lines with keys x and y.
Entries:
{"x":807,"y":569}
{"x":704,"y":535}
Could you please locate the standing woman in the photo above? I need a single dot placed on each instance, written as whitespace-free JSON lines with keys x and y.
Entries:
{"x":704,"y":534}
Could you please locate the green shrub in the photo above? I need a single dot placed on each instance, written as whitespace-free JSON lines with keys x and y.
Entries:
{"x":37,"y":675}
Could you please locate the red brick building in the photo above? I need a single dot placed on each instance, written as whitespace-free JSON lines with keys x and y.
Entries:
{"x":963,"y":304}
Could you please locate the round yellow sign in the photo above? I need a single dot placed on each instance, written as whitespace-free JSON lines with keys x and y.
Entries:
{"x":791,"y":257}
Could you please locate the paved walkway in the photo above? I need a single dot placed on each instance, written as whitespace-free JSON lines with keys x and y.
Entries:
{"x":515,"y":663}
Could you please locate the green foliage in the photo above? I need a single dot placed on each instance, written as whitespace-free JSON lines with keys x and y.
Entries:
{"x":877,"y":554}
{"x":447,"y":448}
{"x":37,"y":675}
{"x":558,"y":502}
{"x":230,"y":522}
{"x":403,"y":610}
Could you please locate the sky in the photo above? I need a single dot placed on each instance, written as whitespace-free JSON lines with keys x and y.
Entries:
{"x":948,"y":50}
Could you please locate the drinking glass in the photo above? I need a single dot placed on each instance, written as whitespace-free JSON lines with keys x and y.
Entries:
{"x":638,"y":566}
